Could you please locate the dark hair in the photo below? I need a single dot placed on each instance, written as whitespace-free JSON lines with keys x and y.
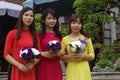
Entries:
{"x":20,"y":24}
{"x":74,"y":18}
{"x":43,"y":17}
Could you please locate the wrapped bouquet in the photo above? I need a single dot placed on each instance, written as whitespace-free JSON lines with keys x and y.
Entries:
{"x":54,"y":46}
{"x":77,"y":46}
{"x":28,"y":54}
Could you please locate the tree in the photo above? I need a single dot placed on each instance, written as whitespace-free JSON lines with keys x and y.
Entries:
{"x":37,"y":22}
{"x":95,"y":13}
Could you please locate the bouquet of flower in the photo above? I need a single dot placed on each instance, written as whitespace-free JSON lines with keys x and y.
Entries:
{"x":77,"y":46}
{"x":53,"y":46}
{"x":28,"y":54}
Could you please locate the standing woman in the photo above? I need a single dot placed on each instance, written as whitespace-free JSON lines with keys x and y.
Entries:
{"x":77,"y":65}
{"x":49,"y":67}
{"x":23,"y":36}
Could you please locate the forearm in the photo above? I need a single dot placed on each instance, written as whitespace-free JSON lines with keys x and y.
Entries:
{"x":11,"y":60}
{"x":67,"y":57}
{"x":36,"y":61}
{"x":88,"y":57}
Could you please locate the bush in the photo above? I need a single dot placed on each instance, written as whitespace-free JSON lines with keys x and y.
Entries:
{"x":108,"y":56}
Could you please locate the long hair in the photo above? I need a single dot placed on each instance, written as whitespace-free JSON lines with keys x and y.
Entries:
{"x":56,"y":27}
{"x":20,"y":24}
{"x":74,"y":17}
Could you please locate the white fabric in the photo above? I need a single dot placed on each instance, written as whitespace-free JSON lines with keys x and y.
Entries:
{"x":10,"y":8}
{"x":28,"y":3}
{"x":43,"y":1}
{"x":109,"y":33}
{"x":113,"y":32}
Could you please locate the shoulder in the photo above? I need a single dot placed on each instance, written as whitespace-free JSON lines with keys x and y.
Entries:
{"x":12,"y":32}
{"x":89,"y":40}
{"x":39,"y":34}
{"x":65,"y":39}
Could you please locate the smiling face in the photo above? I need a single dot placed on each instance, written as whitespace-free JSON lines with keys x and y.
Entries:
{"x":28,"y":18}
{"x":50,"y":21}
{"x":76,"y":26}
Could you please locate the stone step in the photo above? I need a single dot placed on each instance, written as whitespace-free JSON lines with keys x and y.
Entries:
{"x":3,"y":75}
{"x":106,"y":75}
{"x":95,"y":75}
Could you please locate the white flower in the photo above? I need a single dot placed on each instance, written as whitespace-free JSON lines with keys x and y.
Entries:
{"x":73,"y":49}
{"x":77,"y":46}
{"x":24,"y":51}
{"x":29,"y":53}
{"x":35,"y":51}
{"x":53,"y":42}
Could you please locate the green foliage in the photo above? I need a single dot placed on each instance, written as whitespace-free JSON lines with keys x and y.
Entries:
{"x":98,"y":45}
{"x":107,"y":52}
{"x":94,"y":14}
{"x":92,"y":29}
{"x":107,"y":56}
{"x":37,"y":22}
{"x":65,"y":31}
{"x":105,"y":62}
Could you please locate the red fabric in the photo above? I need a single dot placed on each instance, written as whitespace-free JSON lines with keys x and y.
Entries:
{"x":48,"y":69}
{"x":12,"y":45}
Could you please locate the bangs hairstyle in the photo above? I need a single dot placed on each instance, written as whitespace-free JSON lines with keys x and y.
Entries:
{"x":19,"y":26}
{"x":74,"y":17}
{"x":43,"y":25}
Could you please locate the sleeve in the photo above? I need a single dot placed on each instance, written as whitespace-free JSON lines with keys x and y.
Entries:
{"x":38,"y":42}
{"x":90,"y":48}
{"x":63,"y":45}
{"x":8,"y":43}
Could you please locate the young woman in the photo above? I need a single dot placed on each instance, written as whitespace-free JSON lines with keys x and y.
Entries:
{"x":49,"y":67}
{"x":77,"y":63}
{"x":23,"y":36}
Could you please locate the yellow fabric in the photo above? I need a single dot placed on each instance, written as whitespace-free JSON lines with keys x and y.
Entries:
{"x":78,"y":69}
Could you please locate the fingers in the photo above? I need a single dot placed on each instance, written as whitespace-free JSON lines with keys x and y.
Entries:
{"x":79,"y":55}
{"x":25,"y":68}
{"x":30,"y":66}
{"x":48,"y":55}
{"x":22,"y":68}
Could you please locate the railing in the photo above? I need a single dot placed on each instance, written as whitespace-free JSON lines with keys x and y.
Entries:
{"x":3,"y":75}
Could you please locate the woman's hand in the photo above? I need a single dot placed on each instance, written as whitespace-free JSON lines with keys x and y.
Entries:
{"x":60,"y":53}
{"x":30,"y":65}
{"x":22,"y":67}
{"x":79,"y":55}
{"x":82,"y":56}
{"x":47,"y":54}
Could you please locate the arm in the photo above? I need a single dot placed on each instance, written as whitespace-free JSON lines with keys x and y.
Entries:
{"x":38,"y":48}
{"x":64,"y":51}
{"x":7,"y":50}
{"x":12,"y":61}
{"x":90,"y":52}
{"x":90,"y":55}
